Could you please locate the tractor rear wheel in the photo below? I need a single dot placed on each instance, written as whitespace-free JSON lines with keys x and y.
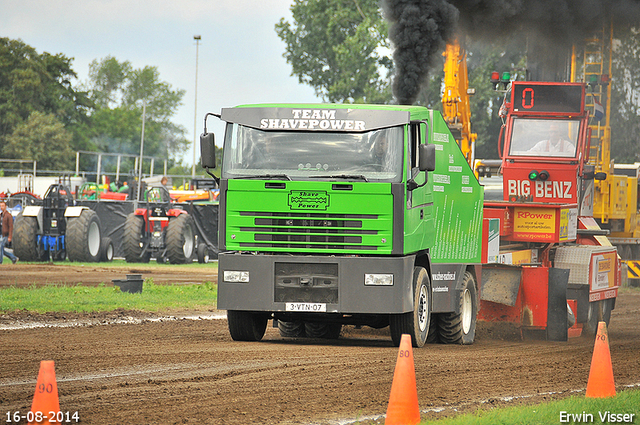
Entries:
{"x":180,"y":239}
{"x":83,"y":237}
{"x":133,"y":240}
{"x":25,"y":240}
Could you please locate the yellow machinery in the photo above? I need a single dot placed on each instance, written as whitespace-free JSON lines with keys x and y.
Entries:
{"x":615,"y":204}
{"x":456,"y":109}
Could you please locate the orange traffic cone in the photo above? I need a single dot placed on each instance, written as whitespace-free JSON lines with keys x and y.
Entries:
{"x":403,"y":402}
{"x":45,"y":399}
{"x":601,"y":375}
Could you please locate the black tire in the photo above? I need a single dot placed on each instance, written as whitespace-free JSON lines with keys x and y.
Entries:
{"x":83,"y":237}
{"x":460,"y":328}
{"x":106,"y":249}
{"x":599,"y":311}
{"x":25,"y":238}
{"x":625,"y":252}
{"x":415,"y":323}
{"x":246,"y":326}
{"x":322,"y":330}
{"x":203,"y":253}
{"x":133,"y":240}
{"x":432,"y":336}
{"x":293,"y":329}
{"x":180,"y":239}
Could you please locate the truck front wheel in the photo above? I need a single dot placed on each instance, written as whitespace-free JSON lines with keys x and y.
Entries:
{"x":460,"y":328}
{"x":246,"y":325}
{"x":416,"y":322}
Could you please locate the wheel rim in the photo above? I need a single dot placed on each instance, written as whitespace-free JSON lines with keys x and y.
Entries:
{"x":422,"y":309}
{"x":187,"y":248}
{"x":94,"y":239}
{"x":467,"y":311}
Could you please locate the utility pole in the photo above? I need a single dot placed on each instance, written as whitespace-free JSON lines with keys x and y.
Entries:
{"x":195,"y":109}
{"x":144,"y":116}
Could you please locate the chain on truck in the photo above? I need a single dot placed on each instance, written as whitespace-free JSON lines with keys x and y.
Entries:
{"x":366,"y":215}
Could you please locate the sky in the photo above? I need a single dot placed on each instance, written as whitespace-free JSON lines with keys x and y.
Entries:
{"x":239,"y":56}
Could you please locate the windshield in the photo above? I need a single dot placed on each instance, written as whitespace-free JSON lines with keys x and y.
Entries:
{"x":544,"y":137}
{"x":372,"y":156}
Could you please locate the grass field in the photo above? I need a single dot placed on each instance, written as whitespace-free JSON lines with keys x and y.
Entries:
{"x":623,"y":408}
{"x":154,"y":298}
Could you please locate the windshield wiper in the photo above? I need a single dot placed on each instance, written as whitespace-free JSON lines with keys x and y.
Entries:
{"x":267,"y":176}
{"x":342,"y":176}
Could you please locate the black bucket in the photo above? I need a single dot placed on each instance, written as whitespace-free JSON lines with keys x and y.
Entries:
{"x":132,"y":284}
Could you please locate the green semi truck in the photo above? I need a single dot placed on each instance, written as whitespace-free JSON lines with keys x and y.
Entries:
{"x":333,"y":215}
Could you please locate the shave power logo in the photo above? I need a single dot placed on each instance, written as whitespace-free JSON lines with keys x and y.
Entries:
{"x":308,"y":200}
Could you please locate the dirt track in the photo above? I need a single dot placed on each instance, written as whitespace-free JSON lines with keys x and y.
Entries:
{"x":189,"y":371}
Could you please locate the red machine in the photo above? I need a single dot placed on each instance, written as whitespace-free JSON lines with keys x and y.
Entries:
{"x":159,"y":230}
{"x":555,"y":270}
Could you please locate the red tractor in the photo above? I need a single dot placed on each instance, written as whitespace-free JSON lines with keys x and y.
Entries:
{"x":159,"y":231}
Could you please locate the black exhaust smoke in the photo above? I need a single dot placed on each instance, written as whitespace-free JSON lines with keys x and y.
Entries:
{"x":419,"y":29}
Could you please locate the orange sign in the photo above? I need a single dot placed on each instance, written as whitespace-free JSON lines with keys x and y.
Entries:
{"x":536,"y":224}
{"x":603,"y":269}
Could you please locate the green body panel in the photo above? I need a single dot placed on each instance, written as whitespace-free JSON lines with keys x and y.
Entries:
{"x":306,"y":217}
{"x":457,"y":199}
{"x":443,"y":216}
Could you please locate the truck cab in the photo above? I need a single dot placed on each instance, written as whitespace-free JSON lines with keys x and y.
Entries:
{"x":345,"y":214}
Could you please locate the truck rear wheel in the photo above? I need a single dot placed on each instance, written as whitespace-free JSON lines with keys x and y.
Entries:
{"x":460,"y":328}
{"x":293,"y":329}
{"x":180,"y":239}
{"x":132,"y":240}
{"x":25,"y":238}
{"x":415,"y":323}
{"x":322,"y":330}
{"x":83,"y":237}
{"x":246,"y":325}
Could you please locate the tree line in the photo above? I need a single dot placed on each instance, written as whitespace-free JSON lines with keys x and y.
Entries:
{"x":46,"y":116}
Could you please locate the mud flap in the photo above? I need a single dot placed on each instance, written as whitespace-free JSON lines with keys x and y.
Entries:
{"x":500,"y":284}
{"x":557,"y":307}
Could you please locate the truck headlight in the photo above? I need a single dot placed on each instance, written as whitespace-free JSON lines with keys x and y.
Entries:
{"x":378,"y":279}
{"x":236,"y":276}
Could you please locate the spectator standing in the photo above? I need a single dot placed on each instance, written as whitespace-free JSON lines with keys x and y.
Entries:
{"x":6,"y":223}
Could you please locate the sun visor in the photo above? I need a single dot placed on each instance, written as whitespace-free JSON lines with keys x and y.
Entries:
{"x":314,"y":118}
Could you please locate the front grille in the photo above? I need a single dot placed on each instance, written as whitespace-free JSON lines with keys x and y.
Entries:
{"x":308,"y":230}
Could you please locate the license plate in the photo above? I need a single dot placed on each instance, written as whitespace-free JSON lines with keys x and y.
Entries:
{"x":306,"y":307}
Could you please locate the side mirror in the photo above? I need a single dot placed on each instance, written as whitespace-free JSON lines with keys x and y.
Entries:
{"x":427,"y":159}
{"x":207,"y":150}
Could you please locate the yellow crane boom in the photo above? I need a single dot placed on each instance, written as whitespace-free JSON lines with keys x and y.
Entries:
{"x":456,"y":108}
